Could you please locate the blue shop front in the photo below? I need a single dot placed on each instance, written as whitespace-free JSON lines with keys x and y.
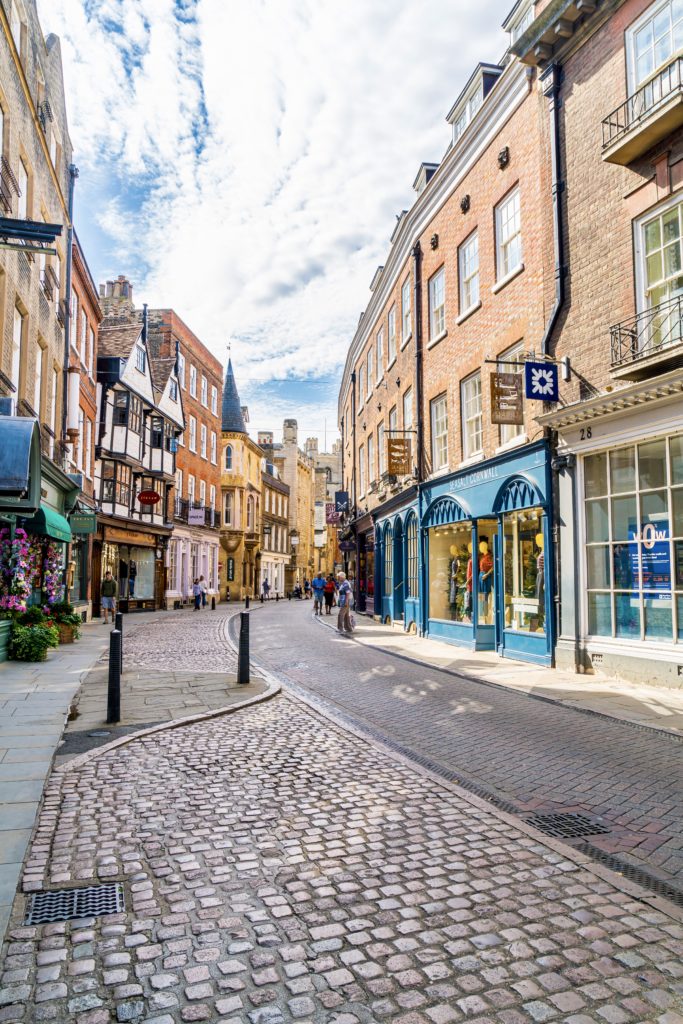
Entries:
{"x":397,"y":576}
{"x":487,"y":558}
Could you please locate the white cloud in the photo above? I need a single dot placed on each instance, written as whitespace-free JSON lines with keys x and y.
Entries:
{"x":243,"y":161}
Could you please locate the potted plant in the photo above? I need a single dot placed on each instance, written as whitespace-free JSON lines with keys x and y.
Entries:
{"x":67,"y":621}
{"x":30,"y":642}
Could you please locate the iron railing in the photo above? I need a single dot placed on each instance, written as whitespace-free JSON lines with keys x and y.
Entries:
{"x":648,"y":333}
{"x":643,"y":102}
{"x":181,"y":512}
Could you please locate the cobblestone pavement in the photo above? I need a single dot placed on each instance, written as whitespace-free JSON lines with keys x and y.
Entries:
{"x":536,"y":755}
{"x":181,"y":639}
{"x":277,"y":869}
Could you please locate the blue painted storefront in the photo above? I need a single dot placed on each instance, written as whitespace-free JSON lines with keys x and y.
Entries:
{"x":397,"y":577}
{"x":490,"y":506}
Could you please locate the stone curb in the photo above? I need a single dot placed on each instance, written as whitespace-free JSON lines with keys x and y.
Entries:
{"x":613,"y":878}
{"x":273,"y":688}
{"x":677,"y":737}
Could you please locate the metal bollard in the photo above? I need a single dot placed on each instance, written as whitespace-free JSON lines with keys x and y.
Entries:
{"x":289,"y":595}
{"x":261,"y":598}
{"x":246,"y":601}
{"x":213,"y":603}
{"x":243,"y":656}
{"x":277,"y":597}
{"x":114,"y":685}
{"x":118,"y":624}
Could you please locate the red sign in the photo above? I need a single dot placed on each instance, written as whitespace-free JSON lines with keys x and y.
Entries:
{"x":148,"y":497}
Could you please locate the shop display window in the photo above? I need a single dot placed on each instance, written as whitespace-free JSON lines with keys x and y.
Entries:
{"x":634,"y":541}
{"x":524,"y":569}
{"x":388,"y":562}
{"x":412,"y":560}
{"x":450,"y":572}
{"x":486,"y":581}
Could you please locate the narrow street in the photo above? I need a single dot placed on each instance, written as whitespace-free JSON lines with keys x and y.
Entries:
{"x":276,"y":867}
{"x":531,"y":755}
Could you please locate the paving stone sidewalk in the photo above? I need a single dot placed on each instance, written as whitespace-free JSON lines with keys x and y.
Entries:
{"x":277,"y":869}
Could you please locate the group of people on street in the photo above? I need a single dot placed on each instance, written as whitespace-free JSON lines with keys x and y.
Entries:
{"x":199,"y":592}
{"x":327,"y":592}
{"x":324,"y":592}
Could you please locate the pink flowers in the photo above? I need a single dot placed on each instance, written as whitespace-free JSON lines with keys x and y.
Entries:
{"x":21,"y":562}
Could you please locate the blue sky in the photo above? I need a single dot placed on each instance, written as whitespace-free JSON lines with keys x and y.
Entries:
{"x":243,"y":161}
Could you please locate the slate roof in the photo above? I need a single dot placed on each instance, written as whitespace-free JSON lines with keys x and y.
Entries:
{"x":117,"y":339}
{"x":161,"y":367}
{"x":232,"y":418}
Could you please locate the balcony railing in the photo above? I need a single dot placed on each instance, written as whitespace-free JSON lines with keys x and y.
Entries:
{"x":653,"y":336}
{"x":642,"y":107}
{"x":181,"y":512}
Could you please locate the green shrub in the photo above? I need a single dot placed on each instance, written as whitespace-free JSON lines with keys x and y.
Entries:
{"x":31,"y":617}
{"x":31,"y":642}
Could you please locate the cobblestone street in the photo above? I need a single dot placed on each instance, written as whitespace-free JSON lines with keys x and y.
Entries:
{"x":279,"y":869}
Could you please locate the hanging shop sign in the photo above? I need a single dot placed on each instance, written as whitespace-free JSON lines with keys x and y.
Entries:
{"x":231,"y":570}
{"x":83,"y":522}
{"x":506,"y":398}
{"x":341,"y":501}
{"x":399,"y":456}
{"x":542,"y":382}
{"x":148,"y":497}
{"x":196,"y":516}
{"x":331,"y":514}
{"x":347,"y":545}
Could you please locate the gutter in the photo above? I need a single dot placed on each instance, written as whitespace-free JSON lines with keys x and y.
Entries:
{"x":550,"y":80}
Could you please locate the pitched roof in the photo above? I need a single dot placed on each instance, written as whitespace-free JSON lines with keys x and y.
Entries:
{"x":161,"y":367}
{"x":117,"y":339}
{"x":232,"y":418}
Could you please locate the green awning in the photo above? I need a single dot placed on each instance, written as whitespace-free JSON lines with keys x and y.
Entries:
{"x":48,"y":523}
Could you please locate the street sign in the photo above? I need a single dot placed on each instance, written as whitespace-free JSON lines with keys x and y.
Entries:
{"x":399,"y":461}
{"x":195,"y":517}
{"x":231,"y":570}
{"x":83,"y":522}
{"x":542,"y":382}
{"x":506,"y":398}
{"x":341,"y":501}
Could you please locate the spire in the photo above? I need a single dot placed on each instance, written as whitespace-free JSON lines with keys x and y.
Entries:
{"x":232,"y":409}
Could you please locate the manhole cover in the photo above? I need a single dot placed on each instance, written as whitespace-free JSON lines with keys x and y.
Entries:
{"x":100,"y":732}
{"x":567,"y":826}
{"x":67,"y":904}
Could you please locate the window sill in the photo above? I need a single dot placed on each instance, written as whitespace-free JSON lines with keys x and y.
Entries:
{"x":472,"y":461}
{"x":389,"y":365}
{"x":506,"y":280}
{"x":433,"y":342}
{"x":378,"y":383}
{"x":514,"y":442}
{"x":468,"y":313}
{"x":406,"y":341}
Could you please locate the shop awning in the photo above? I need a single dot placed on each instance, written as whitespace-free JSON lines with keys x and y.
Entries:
{"x":48,"y":523}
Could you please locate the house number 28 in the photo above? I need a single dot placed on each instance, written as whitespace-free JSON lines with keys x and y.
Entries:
{"x":586,"y":432}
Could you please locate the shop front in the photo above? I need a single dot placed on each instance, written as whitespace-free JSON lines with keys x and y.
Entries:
{"x":135,"y":559}
{"x":397,"y":563}
{"x":487,"y":557}
{"x":364,"y":576}
{"x":621,"y":539}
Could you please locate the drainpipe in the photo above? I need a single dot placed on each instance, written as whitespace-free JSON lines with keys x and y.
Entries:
{"x":353,"y":435}
{"x":417,"y":263}
{"x":73,"y":174}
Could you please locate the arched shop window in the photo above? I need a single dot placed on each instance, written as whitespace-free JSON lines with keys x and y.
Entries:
{"x":411,"y":549}
{"x":388,"y":562}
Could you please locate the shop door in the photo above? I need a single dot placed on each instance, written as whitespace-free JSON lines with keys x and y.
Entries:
{"x":398,"y":571}
{"x":96,"y":577}
{"x":486,"y":583}
{"x":159,"y":583}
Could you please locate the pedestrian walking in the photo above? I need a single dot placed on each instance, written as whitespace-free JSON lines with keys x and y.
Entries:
{"x":307,"y":588}
{"x":345,"y":598}
{"x":266,"y":590}
{"x":197,"y":594}
{"x":329,"y":592}
{"x":108,"y":595}
{"x":318,"y":593}
{"x":205,"y":590}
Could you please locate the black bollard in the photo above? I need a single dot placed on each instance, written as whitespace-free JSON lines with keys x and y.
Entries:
{"x":118,"y":624}
{"x":114,"y":685}
{"x":213,"y":603}
{"x":261,"y":598}
{"x":289,"y":595}
{"x":277,"y":597}
{"x":243,"y":656}
{"x":246,"y":601}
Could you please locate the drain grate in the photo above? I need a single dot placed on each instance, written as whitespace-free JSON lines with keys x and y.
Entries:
{"x":570,"y":825}
{"x":68,"y":904}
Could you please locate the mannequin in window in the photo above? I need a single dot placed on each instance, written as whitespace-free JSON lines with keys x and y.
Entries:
{"x":540,"y":578}
{"x":453,"y":577}
{"x":468,"y":585}
{"x":132,"y":573}
{"x":485,"y":577}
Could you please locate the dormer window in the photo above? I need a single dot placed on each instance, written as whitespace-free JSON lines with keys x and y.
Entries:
{"x":471,"y":98}
{"x":173,"y":389}
{"x":140,"y":358}
{"x":471,"y":107}
{"x":518,"y":28}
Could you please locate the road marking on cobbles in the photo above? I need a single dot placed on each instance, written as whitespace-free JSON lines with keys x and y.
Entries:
{"x":279,"y":868}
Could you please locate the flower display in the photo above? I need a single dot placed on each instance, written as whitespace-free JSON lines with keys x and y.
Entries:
{"x":52,"y":574}
{"x":20,"y":559}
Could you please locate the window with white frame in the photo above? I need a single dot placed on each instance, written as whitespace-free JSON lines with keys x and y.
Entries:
{"x":179,"y":483}
{"x":468,"y":269}
{"x":437,"y":303}
{"x":84,"y":337}
{"x":405,"y":311}
{"x":371,"y":458}
{"x":213,"y":447}
{"x":190,"y":489}
{"x":53,"y":408}
{"x":510,"y":362}
{"x":361,"y":394}
{"x":214,"y":400}
{"x":181,"y":369}
{"x":468,"y":111}
{"x":361,"y":470}
{"x":173,"y":389}
{"x":439,"y":420}
{"x":140,"y":359}
{"x":202,"y":439}
{"x":205,"y":391}
{"x":508,"y":235}
{"x":228,"y":508}
{"x":472,"y":422}
{"x":380,"y":353}
{"x":202,"y":493}
{"x":212,"y":496}
{"x":73,"y":334}
{"x":381,"y":450}
{"x":229,"y":458}
{"x":193,"y":380}
{"x":250,"y":514}
{"x":393,"y":420}
{"x":408,"y":410}
{"x":369,"y":381}
{"x":79,"y":443}
{"x":662,"y":273}
{"x":653,"y":41}
{"x":391,"y":335}
{"x":193,"y":434}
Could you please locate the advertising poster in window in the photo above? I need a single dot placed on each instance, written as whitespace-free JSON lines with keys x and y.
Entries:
{"x":655,"y":557}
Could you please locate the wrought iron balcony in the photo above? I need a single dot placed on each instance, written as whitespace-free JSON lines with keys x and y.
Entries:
{"x":649,"y":342}
{"x":646,"y":117}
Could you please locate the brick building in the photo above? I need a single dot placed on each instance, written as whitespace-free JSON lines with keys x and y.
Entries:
{"x":619,"y":430}
{"x":194,"y":547}
{"x":455,"y":541}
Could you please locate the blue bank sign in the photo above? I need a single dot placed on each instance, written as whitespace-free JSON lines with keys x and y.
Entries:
{"x":542,"y":382}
